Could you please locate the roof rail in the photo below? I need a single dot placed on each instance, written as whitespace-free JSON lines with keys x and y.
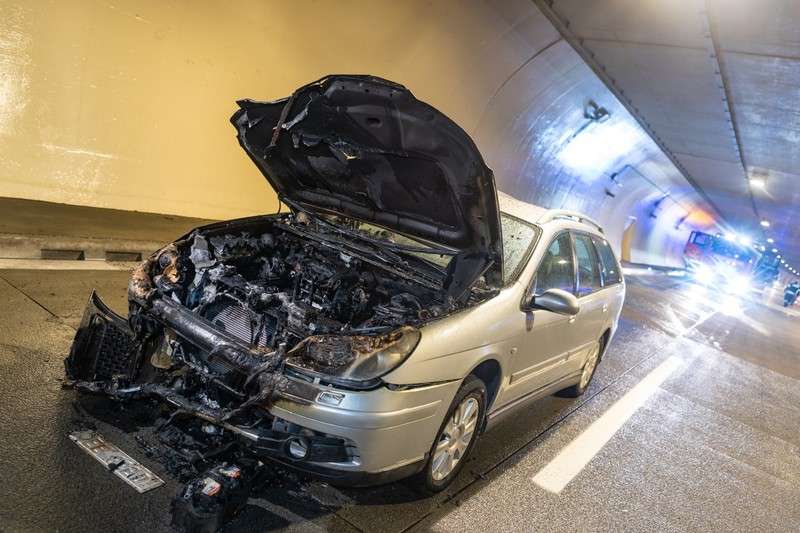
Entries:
{"x":554,"y":214}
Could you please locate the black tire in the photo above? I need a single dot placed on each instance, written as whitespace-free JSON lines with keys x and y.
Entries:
{"x":577,"y":390}
{"x":472,"y":387}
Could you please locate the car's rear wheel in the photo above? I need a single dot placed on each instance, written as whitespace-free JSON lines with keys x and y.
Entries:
{"x":587,"y":372}
{"x":456,"y":436}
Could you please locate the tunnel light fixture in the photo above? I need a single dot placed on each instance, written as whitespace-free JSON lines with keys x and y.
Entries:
{"x":779,"y":256}
{"x":765,"y":223}
{"x":770,"y":240}
{"x":758,"y":182}
{"x":744,"y":240}
{"x":774,"y":250}
{"x":595,"y":113}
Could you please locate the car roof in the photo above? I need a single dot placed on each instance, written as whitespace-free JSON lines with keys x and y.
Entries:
{"x":542,"y":215}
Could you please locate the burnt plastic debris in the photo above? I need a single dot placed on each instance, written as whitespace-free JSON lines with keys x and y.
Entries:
{"x":210,"y":500}
{"x":104,"y":345}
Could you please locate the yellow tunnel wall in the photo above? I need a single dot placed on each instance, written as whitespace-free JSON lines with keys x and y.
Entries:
{"x":126,"y":104}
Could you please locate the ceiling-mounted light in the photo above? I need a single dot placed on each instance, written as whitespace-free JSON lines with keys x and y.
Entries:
{"x":774,"y":250}
{"x":770,"y":240}
{"x":595,"y":113}
{"x":765,"y":223}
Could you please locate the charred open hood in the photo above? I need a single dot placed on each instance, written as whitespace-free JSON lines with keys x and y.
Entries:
{"x":364,"y":147}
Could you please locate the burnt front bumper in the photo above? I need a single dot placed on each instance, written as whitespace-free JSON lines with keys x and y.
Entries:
{"x":104,"y":346}
{"x":106,"y":358}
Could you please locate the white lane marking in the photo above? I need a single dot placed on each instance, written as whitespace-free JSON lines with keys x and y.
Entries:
{"x":577,"y":454}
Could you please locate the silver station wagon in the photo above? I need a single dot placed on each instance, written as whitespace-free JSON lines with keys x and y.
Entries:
{"x":372,"y":331}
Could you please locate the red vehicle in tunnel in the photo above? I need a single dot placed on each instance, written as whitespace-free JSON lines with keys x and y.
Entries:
{"x":722,"y":261}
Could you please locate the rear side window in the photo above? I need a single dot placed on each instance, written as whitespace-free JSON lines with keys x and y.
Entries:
{"x":588,"y":266}
{"x":556,"y":271}
{"x":609,"y":264}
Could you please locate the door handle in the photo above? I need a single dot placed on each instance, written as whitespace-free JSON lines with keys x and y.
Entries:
{"x":572,"y":319}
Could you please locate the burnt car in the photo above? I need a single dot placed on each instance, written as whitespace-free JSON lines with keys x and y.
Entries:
{"x":373,"y":330}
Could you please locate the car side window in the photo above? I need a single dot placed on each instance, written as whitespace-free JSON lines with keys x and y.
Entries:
{"x":608,"y":262}
{"x":588,"y":266}
{"x":556,"y":270}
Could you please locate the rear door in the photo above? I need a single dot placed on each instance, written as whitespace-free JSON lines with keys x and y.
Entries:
{"x":613,"y":288}
{"x":589,"y":321}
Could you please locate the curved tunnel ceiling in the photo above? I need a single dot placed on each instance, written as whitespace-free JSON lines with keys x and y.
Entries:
{"x":717,"y":83}
{"x":533,"y":125}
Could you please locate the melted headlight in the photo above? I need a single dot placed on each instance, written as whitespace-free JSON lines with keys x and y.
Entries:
{"x":356,"y":358}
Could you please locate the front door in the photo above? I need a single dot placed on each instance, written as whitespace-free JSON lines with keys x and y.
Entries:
{"x":545,"y":339}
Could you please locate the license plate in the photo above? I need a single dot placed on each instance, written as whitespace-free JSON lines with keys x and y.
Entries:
{"x":123,"y":465}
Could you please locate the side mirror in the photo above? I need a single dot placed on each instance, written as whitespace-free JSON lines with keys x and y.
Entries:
{"x":556,"y":301}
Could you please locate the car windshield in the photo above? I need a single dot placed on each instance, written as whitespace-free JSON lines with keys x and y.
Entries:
{"x":730,"y":249}
{"x":518,"y":237}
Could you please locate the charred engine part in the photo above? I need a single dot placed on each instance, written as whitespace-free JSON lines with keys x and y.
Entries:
{"x":270,"y":285}
{"x":207,"y":502}
{"x":216,"y":343}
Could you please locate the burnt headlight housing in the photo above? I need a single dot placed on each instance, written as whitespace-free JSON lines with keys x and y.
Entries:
{"x":357,"y":361}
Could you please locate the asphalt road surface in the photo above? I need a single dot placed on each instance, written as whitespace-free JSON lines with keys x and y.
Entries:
{"x":691,"y":423}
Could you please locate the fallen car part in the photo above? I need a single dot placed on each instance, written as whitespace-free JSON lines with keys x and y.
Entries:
{"x":104,"y":345}
{"x":123,"y":465}
{"x":205,"y":503}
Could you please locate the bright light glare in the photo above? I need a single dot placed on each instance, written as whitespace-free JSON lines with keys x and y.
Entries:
{"x":744,"y":241}
{"x":738,"y":284}
{"x":774,"y":250}
{"x":759,"y":183}
{"x":770,"y":240}
{"x":598,"y":146}
{"x":703,"y":274}
{"x":731,"y":306}
{"x":765,"y":223}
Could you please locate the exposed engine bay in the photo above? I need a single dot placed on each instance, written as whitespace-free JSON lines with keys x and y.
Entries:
{"x":274,"y":288}
{"x":300,"y":288}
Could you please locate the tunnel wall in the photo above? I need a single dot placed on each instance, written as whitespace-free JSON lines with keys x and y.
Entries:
{"x":126,"y":106}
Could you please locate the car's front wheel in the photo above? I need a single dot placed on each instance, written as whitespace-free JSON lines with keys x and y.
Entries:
{"x":456,"y":437}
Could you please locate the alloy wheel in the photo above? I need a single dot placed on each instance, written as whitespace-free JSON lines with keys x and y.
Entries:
{"x":455,"y":438}
{"x":591,"y":363}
